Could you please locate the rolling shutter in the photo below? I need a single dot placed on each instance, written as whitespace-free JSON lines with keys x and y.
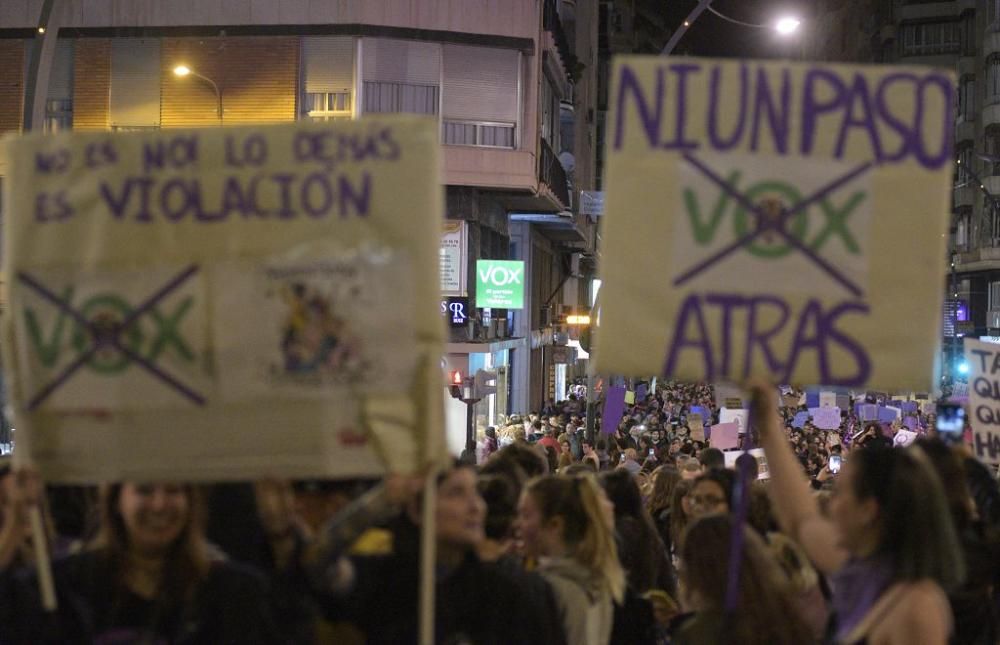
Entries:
{"x":328,"y":62}
{"x":480,"y":84}
{"x":135,"y":82}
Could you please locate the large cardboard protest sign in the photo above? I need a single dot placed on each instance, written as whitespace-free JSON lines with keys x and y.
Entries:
{"x":225,"y":304}
{"x":984,"y":398}
{"x":781,"y":204}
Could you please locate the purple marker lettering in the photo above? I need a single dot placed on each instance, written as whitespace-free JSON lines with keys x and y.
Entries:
{"x":906,"y":135}
{"x":679,"y":142}
{"x":728,"y":303}
{"x":691,"y":308}
{"x":943,"y":156}
{"x":813,"y":107}
{"x":116,"y":203}
{"x":391,"y":152}
{"x":627,"y":81}
{"x":762,"y":337}
{"x":778,"y":112}
{"x":306,"y":193}
{"x":716,"y":102}
{"x":284,"y":181}
{"x":254,"y":204}
{"x":171,"y":208}
{"x":811,"y":315}
{"x":233,"y":198}
{"x":145,"y":185}
{"x":859,"y":96}
{"x":848,"y":344}
{"x":353,"y":199}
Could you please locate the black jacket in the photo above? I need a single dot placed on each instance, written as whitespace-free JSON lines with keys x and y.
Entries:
{"x":229,"y":606}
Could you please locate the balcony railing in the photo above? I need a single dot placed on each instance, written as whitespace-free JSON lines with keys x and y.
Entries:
{"x":552,"y":174}
{"x":552,"y":23}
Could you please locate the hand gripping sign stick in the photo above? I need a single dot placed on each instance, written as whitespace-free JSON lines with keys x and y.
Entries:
{"x":36,"y":92}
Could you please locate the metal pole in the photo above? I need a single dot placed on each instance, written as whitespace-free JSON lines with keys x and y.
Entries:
{"x":680,"y":31}
{"x":43,"y":50}
{"x":469,"y":419}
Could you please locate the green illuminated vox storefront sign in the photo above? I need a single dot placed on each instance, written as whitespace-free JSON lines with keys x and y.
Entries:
{"x":500,"y":284}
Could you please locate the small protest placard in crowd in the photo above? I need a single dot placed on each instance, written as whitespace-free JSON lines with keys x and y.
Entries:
{"x":984,"y":398}
{"x":826,"y":418}
{"x":725,"y":436}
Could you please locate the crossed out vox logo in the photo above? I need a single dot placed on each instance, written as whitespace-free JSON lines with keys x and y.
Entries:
{"x":150,"y":337}
{"x":816,"y":216}
{"x":107,"y":333}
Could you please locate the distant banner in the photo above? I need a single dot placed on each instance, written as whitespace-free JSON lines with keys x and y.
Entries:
{"x":751,"y":188}
{"x":225,"y":303}
{"x":984,"y":399}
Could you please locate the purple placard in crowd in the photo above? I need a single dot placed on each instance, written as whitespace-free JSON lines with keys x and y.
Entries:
{"x":910,"y":407}
{"x":640,"y":393}
{"x":800,"y":419}
{"x":614,"y":409}
{"x":706,"y":416}
{"x":725,"y":436}
{"x":888,"y":415}
{"x":812,"y":399}
{"x":911,"y":423}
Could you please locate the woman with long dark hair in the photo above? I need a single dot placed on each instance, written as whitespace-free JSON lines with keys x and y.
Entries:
{"x":889,"y":544}
{"x":147,"y":577}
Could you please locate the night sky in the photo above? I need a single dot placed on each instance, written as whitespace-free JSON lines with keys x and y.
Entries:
{"x":713,"y":36}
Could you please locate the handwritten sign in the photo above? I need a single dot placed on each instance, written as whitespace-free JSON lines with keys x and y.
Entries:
{"x":740,"y":417}
{"x":696,"y":423}
{"x":826,"y":418}
{"x":755,"y":185}
{"x":984,"y":398}
{"x":225,"y":304}
{"x":725,"y":436}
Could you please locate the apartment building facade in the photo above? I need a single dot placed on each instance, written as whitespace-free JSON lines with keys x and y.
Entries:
{"x":495,"y":74}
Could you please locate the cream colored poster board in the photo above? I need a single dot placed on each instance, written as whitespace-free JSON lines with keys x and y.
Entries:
{"x":225,"y":303}
{"x":795,"y":214}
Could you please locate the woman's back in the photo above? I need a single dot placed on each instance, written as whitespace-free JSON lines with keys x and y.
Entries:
{"x":584,"y":601}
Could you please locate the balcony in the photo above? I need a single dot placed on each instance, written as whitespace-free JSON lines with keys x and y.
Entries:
{"x":926,"y":10}
{"x":965,"y":131}
{"x":553,"y":175}
{"x":964,"y":196}
{"x":552,"y":23}
{"x":991,"y":113}
{"x":982,"y":258}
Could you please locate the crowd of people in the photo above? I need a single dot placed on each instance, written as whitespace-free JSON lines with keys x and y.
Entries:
{"x":544,"y":534}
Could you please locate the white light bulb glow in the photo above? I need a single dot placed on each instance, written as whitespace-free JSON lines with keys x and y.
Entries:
{"x":787,"y":25}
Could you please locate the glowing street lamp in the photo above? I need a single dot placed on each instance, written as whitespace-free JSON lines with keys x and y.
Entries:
{"x":787,"y":25}
{"x":183,"y":70}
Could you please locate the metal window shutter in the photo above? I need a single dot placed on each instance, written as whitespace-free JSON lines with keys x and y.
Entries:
{"x":61,"y":76}
{"x":480,"y":83}
{"x":401,"y":61}
{"x":135,"y":82}
{"x":329,"y":63}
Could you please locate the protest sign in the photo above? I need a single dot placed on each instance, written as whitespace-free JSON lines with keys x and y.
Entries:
{"x":630,"y":398}
{"x":725,"y":436}
{"x":868,"y":412}
{"x":888,"y":414}
{"x":740,"y":417}
{"x":812,"y":399}
{"x":641,"y":391}
{"x":757,"y":453}
{"x":614,"y":408}
{"x":826,"y":418}
{"x":702,"y":410}
{"x":762,"y":221}
{"x":225,"y":304}
{"x":800,"y":419}
{"x":984,"y":398}
{"x":843,"y":401}
{"x":695,"y":423}
{"x":827,"y":399}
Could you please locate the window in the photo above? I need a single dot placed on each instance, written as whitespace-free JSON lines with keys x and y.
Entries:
{"x":994,"y":296}
{"x":991,"y":148}
{"x":993,"y":79}
{"x":994,"y":11}
{"x":401,"y":76}
{"x":932,"y":38}
{"x":969,"y":33}
{"x":967,"y":98}
{"x":59,"y":103}
{"x":481,"y":106}
{"x":962,"y":233}
{"x":964,"y":164}
{"x":550,"y":113}
{"x":135,"y":84}
{"x":328,"y":77}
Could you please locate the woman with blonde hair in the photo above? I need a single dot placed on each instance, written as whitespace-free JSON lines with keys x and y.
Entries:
{"x":568,"y":524}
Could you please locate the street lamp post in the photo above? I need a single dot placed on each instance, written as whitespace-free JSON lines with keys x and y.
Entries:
{"x":785,"y":26}
{"x":183,"y":70}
